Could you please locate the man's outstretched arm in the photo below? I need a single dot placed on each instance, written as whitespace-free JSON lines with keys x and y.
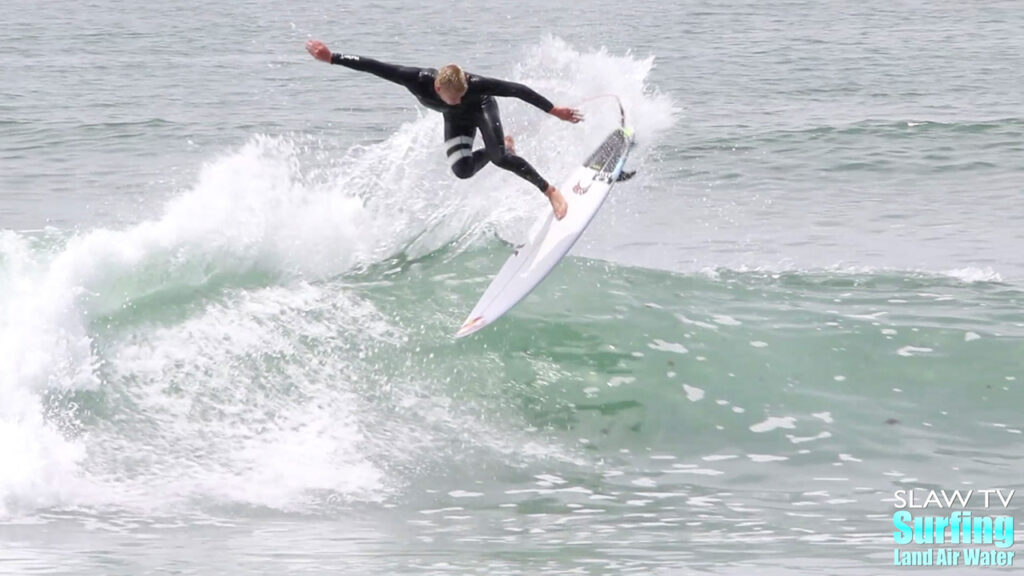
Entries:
{"x":496,"y":87}
{"x":404,"y":75}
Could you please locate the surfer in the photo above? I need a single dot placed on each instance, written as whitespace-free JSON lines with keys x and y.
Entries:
{"x":467,"y":103}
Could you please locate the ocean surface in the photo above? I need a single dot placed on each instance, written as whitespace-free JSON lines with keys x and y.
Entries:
{"x":230,"y":276}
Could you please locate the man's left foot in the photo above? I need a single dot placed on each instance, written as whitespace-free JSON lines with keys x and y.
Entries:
{"x":510,"y":145}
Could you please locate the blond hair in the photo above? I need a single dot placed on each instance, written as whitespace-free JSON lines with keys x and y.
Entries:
{"x":451,"y":77}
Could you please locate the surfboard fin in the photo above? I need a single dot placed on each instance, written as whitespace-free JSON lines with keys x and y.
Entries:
{"x":625,"y":175}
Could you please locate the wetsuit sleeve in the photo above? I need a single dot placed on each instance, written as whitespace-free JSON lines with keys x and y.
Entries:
{"x":496,"y":87}
{"x":404,"y":75}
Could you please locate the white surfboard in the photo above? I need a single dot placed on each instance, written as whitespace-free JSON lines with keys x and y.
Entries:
{"x":550,"y":239}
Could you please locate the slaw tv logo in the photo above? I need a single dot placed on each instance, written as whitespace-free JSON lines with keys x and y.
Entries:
{"x":953,"y":528}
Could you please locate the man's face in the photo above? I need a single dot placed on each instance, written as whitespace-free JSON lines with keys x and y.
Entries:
{"x":450,"y":97}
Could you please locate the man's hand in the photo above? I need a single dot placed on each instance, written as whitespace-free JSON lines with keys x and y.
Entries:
{"x":319,"y":50}
{"x":568,"y":114}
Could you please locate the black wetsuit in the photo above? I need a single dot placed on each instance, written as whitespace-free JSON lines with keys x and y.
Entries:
{"x":477,"y":110}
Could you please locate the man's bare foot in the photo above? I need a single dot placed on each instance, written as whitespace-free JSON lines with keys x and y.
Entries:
{"x":510,"y":145}
{"x":558,"y":203}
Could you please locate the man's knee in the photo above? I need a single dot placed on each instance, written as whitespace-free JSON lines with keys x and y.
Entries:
{"x":463,"y":168}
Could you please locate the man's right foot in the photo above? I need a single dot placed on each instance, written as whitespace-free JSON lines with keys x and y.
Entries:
{"x":558,"y":203}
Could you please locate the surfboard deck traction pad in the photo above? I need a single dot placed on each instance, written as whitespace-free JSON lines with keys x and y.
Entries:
{"x":607,"y":154}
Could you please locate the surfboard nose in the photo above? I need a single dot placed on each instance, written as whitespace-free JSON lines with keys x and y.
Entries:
{"x":471,"y":326}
